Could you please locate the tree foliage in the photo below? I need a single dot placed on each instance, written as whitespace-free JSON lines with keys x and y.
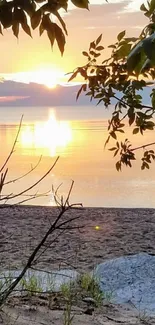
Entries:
{"x":41,"y":14}
{"x":120,"y":80}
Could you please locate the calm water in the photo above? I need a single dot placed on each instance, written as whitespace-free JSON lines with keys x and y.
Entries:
{"x":77,"y":135}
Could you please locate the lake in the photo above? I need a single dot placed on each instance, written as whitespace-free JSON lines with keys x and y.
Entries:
{"x":77,"y":135}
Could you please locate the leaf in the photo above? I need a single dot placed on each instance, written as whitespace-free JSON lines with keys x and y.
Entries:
{"x":41,"y":29}
{"x":61,"y":21}
{"x":51,"y":36}
{"x":81,"y":3}
{"x":142,"y":7}
{"x":123,"y":51}
{"x":112,"y":46}
{"x":1,"y":30}
{"x":35,"y":19}
{"x":149,"y":47}
{"x":26,"y":29}
{"x":73,"y":76}
{"x":116,"y":152}
{"x":152,"y":6}
{"x":20,"y":16}
{"x":113,"y":135}
{"x":147,"y":65}
{"x":135,"y":131}
{"x":131,"y":118}
{"x":92,"y":46}
{"x":146,"y":165}
{"x":98,"y":39}
{"x":29,"y":6}
{"x":99,"y":48}
{"x":60,"y":38}
{"x":85,"y":53}
{"x":121,"y":35}
{"x":112,"y":149}
{"x":6,"y":16}
{"x":79,"y":92}
{"x":118,"y":166}
{"x":120,"y":130}
{"x":134,"y":56}
{"x":153,"y":99}
{"x":15,"y":28}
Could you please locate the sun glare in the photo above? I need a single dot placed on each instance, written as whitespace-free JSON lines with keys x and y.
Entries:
{"x":51,"y":135}
{"x":47,"y":77}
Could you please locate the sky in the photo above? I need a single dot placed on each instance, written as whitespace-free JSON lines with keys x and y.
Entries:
{"x":29,"y":59}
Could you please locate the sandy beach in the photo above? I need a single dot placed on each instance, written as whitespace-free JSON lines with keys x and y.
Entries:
{"x":118,"y":232}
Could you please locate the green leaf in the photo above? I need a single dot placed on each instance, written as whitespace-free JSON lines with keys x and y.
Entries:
{"x":152,"y":6}
{"x":153,"y":98}
{"x":142,"y":7}
{"x":134,"y":56}
{"x":123,"y":51}
{"x":149,"y":47}
{"x":121,"y":35}
{"x":81,"y":3}
{"x":146,"y":66}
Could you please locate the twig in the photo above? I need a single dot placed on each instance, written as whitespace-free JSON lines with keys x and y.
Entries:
{"x":13,"y":147}
{"x":26,"y":174}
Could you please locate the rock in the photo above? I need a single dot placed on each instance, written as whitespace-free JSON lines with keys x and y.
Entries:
{"x":89,"y":300}
{"x":89,"y":311}
{"x":129,"y":279}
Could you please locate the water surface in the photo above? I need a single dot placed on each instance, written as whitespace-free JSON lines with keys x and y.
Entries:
{"x":77,"y":135}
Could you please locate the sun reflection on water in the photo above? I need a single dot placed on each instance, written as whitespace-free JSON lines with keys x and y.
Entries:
{"x":51,"y":135}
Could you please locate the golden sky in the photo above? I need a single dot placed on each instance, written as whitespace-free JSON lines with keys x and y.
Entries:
{"x":26,"y":54}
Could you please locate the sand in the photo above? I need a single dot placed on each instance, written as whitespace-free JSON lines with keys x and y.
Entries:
{"x":119,"y":232}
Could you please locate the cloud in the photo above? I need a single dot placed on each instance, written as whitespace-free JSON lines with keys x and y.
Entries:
{"x":128,"y":5}
{"x":20,"y":94}
{"x":8,"y":99}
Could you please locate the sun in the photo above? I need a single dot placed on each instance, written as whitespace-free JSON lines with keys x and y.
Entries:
{"x":48,"y":77}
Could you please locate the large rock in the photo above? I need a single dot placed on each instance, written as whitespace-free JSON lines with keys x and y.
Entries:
{"x":129,"y":279}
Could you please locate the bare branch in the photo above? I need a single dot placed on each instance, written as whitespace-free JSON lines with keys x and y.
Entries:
{"x":32,"y":186}
{"x":13,"y":147}
{"x":26,"y":174}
